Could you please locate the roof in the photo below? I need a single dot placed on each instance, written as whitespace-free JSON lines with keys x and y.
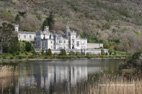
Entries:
{"x":94,"y":45}
{"x":81,"y":39}
{"x":24,"y":32}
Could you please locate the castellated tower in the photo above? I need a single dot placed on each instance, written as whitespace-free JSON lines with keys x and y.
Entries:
{"x":68,"y":31}
{"x":71,"y":35}
{"x":72,"y":40}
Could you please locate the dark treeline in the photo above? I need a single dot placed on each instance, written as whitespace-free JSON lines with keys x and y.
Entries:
{"x":8,"y":39}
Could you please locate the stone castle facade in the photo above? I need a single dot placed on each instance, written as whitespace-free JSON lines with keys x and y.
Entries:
{"x":44,"y":40}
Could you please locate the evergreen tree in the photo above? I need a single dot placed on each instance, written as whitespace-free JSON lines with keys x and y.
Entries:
{"x":63,"y":52}
{"x":17,"y":19}
{"x":49,"y":52}
{"x":28,"y":47}
{"x":14,"y":46}
{"x":8,"y":38}
{"x":49,"y":21}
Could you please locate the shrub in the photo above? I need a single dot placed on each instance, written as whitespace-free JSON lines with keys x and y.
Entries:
{"x":71,"y":53}
{"x":49,"y":52}
{"x":28,"y":46}
{"x":11,"y":57}
{"x":63,"y":52}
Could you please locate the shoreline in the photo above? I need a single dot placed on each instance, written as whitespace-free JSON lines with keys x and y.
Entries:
{"x":54,"y":59}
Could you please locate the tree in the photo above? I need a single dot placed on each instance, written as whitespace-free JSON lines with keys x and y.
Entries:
{"x":14,"y":46}
{"x":63,"y":52}
{"x":17,"y":19}
{"x":134,"y":63}
{"x":49,"y":21}
{"x":29,"y":23}
{"x":8,"y":38}
{"x":49,"y":52}
{"x":71,"y":53}
{"x":22,"y":13}
{"x":28,"y":47}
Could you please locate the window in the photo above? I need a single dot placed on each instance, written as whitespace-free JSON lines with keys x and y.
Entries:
{"x":73,"y":40}
{"x":60,"y":41}
{"x":24,"y":36}
{"x":50,"y":37}
{"x":72,"y":46}
{"x":30,"y":36}
{"x":77,"y":43}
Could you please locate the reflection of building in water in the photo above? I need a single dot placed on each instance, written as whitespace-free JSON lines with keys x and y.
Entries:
{"x":41,"y":77}
{"x":44,"y":76}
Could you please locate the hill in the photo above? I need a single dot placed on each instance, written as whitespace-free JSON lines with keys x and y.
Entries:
{"x":116,"y":23}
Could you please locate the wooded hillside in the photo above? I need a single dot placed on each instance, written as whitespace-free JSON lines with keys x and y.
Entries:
{"x":116,"y":23}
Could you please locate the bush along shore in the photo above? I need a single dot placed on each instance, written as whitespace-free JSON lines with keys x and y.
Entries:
{"x":48,"y":55}
{"x":133,"y":66}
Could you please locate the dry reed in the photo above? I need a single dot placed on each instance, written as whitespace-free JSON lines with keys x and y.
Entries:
{"x":116,"y":85}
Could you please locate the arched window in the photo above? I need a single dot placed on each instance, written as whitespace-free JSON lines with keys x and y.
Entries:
{"x":73,"y":47}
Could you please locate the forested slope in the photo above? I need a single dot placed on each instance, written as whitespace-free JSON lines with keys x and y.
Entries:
{"x":117,"y":23}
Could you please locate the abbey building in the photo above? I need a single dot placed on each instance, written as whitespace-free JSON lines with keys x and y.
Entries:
{"x":70,"y":41}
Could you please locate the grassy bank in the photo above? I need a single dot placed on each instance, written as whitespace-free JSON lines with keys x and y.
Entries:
{"x":36,"y":56}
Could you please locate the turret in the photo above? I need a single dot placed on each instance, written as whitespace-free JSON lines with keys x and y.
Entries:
{"x":72,"y":40}
{"x":46,"y":28}
{"x":68,"y":31}
{"x":17,"y":28}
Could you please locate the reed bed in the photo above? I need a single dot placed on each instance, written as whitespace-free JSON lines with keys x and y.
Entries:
{"x":5,"y":71}
{"x":116,"y":85}
{"x":7,"y":75}
{"x":108,"y":84}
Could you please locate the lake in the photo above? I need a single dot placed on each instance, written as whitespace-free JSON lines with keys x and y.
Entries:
{"x":53,"y":76}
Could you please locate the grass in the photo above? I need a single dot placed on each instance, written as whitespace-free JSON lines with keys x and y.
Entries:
{"x":29,"y":55}
{"x":110,"y":84}
{"x":116,"y":86}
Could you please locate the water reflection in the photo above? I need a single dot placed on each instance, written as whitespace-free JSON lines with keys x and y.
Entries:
{"x":58,"y":77}
{"x":44,"y":76}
